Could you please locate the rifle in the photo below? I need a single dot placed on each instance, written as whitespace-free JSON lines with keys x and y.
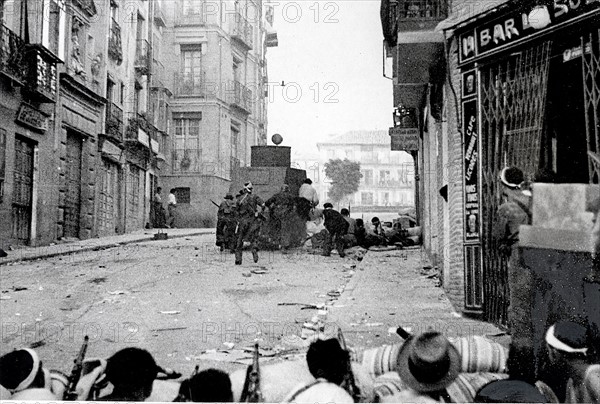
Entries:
{"x":71,"y":391}
{"x":251,"y":392}
{"x":214,"y":203}
{"x":349,"y":384}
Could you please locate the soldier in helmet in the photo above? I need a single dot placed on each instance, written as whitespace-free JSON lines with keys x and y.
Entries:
{"x":249,"y":215}
{"x":226,"y":224}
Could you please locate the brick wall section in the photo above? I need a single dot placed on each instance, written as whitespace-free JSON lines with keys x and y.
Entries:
{"x":454,"y":285}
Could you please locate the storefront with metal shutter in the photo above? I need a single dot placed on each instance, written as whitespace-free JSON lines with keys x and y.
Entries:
{"x":529,"y":97}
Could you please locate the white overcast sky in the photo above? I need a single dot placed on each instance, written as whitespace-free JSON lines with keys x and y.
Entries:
{"x":337,"y":47}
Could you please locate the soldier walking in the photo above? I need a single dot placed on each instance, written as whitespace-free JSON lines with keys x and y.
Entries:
{"x":248,"y":209}
{"x":226,"y":224}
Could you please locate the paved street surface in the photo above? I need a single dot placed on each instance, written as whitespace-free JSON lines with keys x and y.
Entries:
{"x":188,"y":303}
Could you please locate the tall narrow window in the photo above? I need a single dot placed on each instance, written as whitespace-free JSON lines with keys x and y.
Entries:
{"x":191,"y":70}
{"x":53,"y":26}
{"x":187,"y":152}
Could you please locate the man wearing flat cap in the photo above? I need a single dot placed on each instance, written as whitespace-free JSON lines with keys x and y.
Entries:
{"x":226,"y":224}
{"x":248,"y":211}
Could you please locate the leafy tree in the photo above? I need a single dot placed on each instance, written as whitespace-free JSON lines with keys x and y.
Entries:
{"x":345,"y":177}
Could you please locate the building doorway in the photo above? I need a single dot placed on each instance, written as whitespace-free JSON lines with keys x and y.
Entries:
{"x":72,"y":208}
{"x":108,"y":213}
{"x":22,"y":191}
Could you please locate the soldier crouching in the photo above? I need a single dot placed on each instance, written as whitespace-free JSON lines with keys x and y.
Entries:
{"x":249,"y":213}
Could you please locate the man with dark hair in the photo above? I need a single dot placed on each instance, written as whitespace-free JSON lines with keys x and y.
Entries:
{"x":248,"y":209}
{"x":207,"y":386}
{"x":328,"y":363}
{"x":226,"y":224}
{"x":337,"y":227}
{"x":350,"y":237}
{"x":307,"y":199}
{"x":131,"y":371}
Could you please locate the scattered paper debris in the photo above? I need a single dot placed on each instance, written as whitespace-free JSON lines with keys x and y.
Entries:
{"x":170,"y":312}
{"x":229,"y":345}
{"x":117,"y":292}
{"x":5,"y":297}
{"x":18,"y":288}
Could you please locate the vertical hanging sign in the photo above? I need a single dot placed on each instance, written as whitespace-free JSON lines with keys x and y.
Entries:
{"x":471,"y":170}
{"x":471,"y":157}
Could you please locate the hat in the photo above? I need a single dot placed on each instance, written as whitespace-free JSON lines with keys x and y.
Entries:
{"x":328,"y":205}
{"x":567,"y":336}
{"x":428,"y":362}
{"x":509,"y":391}
{"x":512,"y":177}
{"x":18,"y":369}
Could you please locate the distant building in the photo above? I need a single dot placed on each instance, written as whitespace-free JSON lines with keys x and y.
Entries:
{"x":387,"y":176}
{"x":214,"y":58}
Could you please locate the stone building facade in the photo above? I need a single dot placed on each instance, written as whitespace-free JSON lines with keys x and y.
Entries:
{"x":88,"y":92}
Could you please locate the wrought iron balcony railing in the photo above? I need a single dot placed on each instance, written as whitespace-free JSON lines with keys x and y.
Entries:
{"x":188,"y":85}
{"x":192,"y":15}
{"x":142,"y":56}
{"x":241,"y":96}
{"x":409,"y":10}
{"x":115,"y":47}
{"x":114,"y":122}
{"x":41,"y":73}
{"x":12,"y":63}
{"x":242,"y":30}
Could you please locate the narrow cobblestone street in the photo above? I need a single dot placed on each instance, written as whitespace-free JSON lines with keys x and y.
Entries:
{"x":188,"y":304}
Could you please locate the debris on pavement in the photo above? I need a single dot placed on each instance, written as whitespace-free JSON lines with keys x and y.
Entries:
{"x":6,"y":297}
{"x":170,"y":312}
{"x":117,"y":292}
{"x":18,"y":288}
{"x":229,"y":345}
{"x":333,"y":293}
{"x":246,"y":274}
{"x":259,"y":271}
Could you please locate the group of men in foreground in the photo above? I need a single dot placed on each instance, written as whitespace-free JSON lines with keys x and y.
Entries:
{"x":424,"y":368}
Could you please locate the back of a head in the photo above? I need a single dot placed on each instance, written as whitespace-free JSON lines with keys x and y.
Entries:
{"x":360,"y":223}
{"x":326,"y":359}
{"x":172,"y":190}
{"x":509,"y":391}
{"x":375,"y":220}
{"x":328,"y":205}
{"x":131,"y":369}
{"x":20,"y":370}
{"x":307,"y":181}
{"x":210,"y":385}
{"x":345,"y":212}
{"x":512,"y":177}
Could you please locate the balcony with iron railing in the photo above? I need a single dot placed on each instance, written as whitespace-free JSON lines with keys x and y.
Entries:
{"x":115,"y":46}
{"x":187,"y":85}
{"x":142,"y":56}
{"x":41,"y":83}
{"x":114,"y":122}
{"x":12,"y":63}
{"x":241,"y":29}
{"x":140,"y":130}
{"x":194,"y":16}
{"x":240,"y":96}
